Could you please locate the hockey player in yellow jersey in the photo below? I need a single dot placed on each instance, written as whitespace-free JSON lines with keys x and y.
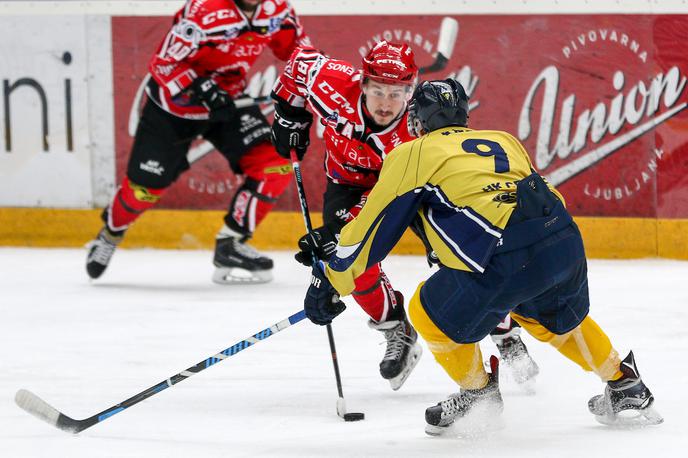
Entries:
{"x":506,"y":245}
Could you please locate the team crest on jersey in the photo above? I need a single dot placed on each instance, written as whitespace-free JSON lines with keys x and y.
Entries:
{"x":508,"y":197}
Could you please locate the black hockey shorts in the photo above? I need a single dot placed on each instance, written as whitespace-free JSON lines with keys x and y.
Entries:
{"x":338,"y":200}
{"x":162,"y":142}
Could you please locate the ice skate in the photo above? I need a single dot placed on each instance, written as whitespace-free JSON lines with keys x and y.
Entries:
{"x":515,"y":356}
{"x":627,"y":401}
{"x":440,"y":417}
{"x":403,"y":351}
{"x":236,"y":262}
{"x":100,"y":251}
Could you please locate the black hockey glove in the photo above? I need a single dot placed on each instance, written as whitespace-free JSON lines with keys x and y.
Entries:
{"x":322,"y":302}
{"x":206,"y":92}
{"x":322,"y":242}
{"x":291,"y":129}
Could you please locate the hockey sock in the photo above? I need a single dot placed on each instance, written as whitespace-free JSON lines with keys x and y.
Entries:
{"x":463,"y":362}
{"x":267,"y":176}
{"x":130,"y":201}
{"x":586,"y":345}
{"x":374,"y":294}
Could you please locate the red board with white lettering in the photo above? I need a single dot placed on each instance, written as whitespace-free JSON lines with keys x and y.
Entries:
{"x":599,"y":100}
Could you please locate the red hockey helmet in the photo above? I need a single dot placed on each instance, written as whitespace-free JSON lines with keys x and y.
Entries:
{"x":390,"y":63}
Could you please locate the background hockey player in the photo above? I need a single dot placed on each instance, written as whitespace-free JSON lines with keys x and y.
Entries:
{"x":197,"y":71}
{"x":522,"y":255}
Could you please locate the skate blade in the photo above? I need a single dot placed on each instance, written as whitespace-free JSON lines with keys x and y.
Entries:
{"x":411,"y":360}
{"x":632,"y":419}
{"x":239,"y":276}
{"x":484,"y":418}
{"x":436,"y":431}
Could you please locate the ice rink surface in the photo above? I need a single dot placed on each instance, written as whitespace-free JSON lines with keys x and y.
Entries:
{"x":84,"y":347}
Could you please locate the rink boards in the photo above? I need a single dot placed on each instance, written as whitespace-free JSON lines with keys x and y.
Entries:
{"x":600,"y":106}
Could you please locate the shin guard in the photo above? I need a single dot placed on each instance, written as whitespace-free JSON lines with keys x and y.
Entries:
{"x":267,"y":176}
{"x":130,"y":201}
{"x":586,"y":345}
{"x":374,"y":294}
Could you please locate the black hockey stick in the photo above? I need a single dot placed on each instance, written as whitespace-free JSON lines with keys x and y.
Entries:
{"x":242,"y":102}
{"x":341,"y":404}
{"x":449,"y":30}
{"x":41,"y":409}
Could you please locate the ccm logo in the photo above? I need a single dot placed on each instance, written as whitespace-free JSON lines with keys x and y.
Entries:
{"x":216,"y":15}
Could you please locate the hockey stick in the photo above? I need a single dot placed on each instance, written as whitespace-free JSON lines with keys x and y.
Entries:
{"x":243,"y":102}
{"x":449,"y":31}
{"x":41,"y":409}
{"x":341,"y":404}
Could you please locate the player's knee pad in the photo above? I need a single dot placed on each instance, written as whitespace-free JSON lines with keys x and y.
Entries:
{"x":463,"y":362}
{"x":262,"y":162}
{"x":130,"y":201}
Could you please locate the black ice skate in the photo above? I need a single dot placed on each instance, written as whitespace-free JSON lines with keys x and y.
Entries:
{"x":237,"y":262}
{"x":627,"y":401}
{"x":515,"y":356}
{"x":440,"y":417}
{"x":403,"y":351}
{"x":100,"y":251}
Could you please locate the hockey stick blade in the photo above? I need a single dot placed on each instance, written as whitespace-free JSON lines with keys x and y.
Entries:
{"x":348,"y":416}
{"x":37,"y":407}
{"x":449,"y":31}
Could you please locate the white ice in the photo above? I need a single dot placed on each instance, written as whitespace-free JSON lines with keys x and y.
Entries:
{"x":84,"y":347}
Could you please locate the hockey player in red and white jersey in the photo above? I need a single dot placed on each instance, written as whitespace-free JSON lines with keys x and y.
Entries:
{"x":364,"y":115}
{"x":198,"y":70}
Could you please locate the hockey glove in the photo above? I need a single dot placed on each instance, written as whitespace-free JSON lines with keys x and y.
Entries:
{"x":206,"y":92}
{"x":322,"y":302}
{"x":291,"y":129}
{"x":322,"y":242}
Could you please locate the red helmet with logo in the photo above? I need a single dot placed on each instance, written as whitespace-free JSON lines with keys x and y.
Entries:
{"x":390,"y":63}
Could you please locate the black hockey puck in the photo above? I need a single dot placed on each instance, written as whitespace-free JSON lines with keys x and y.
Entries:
{"x":354,"y":416}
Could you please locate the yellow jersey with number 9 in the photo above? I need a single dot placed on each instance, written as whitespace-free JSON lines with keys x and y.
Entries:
{"x":462,"y":182}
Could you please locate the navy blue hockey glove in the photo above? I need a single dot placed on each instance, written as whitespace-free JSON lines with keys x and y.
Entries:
{"x":322,"y":242}
{"x":206,"y":92}
{"x":291,"y":129}
{"x":322,"y":302}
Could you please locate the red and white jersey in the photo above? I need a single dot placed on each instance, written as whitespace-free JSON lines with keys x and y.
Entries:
{"x":331,"y":88}
{"x":215,"y":38}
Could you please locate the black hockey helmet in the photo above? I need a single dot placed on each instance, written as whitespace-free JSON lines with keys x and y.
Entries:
{"x":437,"y":104}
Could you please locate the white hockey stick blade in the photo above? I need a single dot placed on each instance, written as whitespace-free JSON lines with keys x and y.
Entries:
{"x":36,"y":406}
{"x":341,"y":407}
{"x":449,"y":31}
